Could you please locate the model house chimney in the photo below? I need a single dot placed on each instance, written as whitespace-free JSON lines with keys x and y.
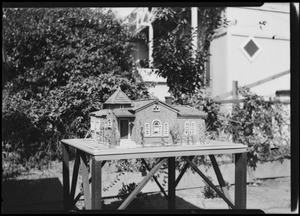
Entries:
{"x":168,"y":100}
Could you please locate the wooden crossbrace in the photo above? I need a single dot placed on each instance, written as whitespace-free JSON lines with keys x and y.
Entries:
{"x":182,"y":172}
{"x":210,"y":183}
{"x":155,"y":179}
{"x":141,"y":185}
{"x":220,"y":177}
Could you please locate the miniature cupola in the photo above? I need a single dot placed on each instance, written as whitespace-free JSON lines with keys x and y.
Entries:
{"x":118,"y":100}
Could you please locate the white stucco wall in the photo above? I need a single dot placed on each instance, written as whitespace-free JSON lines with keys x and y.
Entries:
{"x":160,"y":91}
{"x":219,"y":65}
{"x":273,"y":59}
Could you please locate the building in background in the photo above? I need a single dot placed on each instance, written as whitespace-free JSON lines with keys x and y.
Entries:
{"x":253,"y":50}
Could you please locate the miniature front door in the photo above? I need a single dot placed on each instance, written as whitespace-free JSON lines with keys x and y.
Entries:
{"x":124,"y":129}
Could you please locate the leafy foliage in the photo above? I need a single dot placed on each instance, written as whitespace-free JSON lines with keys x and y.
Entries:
{"x":259,"y":124}
{"x":173,"y":51}
{"x":49,"y":46}
{"x":211,"y":107}
{"x":65,"y":62}
{"x":210,"y":193}
{"x":126,"y":190}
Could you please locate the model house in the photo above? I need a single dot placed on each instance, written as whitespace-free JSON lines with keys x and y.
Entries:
{"x":146,"y":122}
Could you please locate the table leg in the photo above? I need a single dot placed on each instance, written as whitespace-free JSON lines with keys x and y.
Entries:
{"x":96,"y":184}
{"x":85,"y":181}
{"x":240,"y":180}
{"x":171,"y":183}
{"x":66,"y":177}
{"x":75,"y":177}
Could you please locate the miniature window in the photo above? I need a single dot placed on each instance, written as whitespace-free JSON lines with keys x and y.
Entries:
{"x":193,"y":128}
{"x":251,"y":48}
{"x":156,"y":128}
{"x":147,"y":129}
{"x":166,"y":129}
{"x":186,"y":128}
{"x":156,"y":108}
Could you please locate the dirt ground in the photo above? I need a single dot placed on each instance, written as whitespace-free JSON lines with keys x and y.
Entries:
{"x":42,"y":190}
{"x":270,"y":196}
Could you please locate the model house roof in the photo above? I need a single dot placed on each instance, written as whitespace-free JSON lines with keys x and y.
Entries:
{"x":123,"y":113}
{"x":100,"y":112}
{"x":182,"y":110}
{"x":139,"y":105}
{"x":189,"y":111}
{"x":118,"y":97}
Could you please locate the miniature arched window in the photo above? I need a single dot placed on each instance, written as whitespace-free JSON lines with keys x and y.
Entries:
{"x":156,"y":108}
{"x":147,"y":129}
{"x":156,"y":128}
{"x":186,"y":128}
{"x":166,"y":129}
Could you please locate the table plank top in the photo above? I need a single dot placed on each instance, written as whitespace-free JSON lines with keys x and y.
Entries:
{"x":102,"y":152}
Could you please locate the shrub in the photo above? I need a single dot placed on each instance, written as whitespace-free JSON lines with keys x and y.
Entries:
{"x":259,"y":124}
{"x":66,"y":62}
{"x":126,"y":190}
{"x":210,"y":193}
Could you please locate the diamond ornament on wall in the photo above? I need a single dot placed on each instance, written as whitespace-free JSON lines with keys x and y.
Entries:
{"x":251,"y":48}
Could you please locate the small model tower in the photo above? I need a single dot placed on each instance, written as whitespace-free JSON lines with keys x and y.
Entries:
{"x":118,"y":100}
{"x":103,"y":123}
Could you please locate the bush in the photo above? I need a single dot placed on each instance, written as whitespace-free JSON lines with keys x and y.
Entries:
{"x":259,"y":124}
{"x":126,"y":190}
{"x":66,"y":62}
{"x":210,"y":193}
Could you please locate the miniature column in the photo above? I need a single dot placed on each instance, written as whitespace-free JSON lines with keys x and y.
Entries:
{"x":194,"y":21}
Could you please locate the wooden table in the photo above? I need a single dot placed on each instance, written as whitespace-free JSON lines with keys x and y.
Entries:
{"x":92,"y":197}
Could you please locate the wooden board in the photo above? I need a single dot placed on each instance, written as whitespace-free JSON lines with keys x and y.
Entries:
{"x":212,"y":147}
